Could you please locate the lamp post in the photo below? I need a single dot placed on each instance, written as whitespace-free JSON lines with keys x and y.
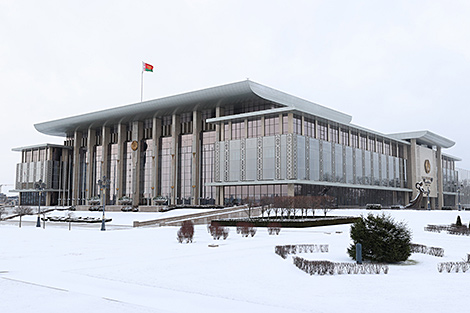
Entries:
{"x":104,"y":184}
{"x":39,"y":186}
{"x":429,"y":204}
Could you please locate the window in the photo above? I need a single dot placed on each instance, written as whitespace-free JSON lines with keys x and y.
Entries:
{"x":271,"y":126}
{"x":323,"y":131}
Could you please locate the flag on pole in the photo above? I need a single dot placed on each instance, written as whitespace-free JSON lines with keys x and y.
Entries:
{"x":147,"y":67}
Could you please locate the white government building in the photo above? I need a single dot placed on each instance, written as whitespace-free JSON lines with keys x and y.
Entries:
{"x":225,"y":144}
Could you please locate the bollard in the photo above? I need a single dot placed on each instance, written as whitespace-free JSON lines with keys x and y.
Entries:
{"x":358,"y":253}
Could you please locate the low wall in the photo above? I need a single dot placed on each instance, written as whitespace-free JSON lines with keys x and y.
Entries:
{"x":201,"y":218}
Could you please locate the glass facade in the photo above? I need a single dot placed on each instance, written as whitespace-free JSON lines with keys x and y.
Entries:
{"x":97,"y":169}
{"x":185,"y":169}
{"x":235,"y":195}
{"x":147,"y":160}
{"x":83,"y":161}
{"x":165,"y":158}
{"x":128,"y":171}
{"x":207,"y":168}
{"x":271,"y":126}
{"x":112,"y":172}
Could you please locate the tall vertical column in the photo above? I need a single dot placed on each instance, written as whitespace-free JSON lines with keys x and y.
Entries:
{"x":440,"y":180}
{"x":219,"y":136}
{"x":121,"y":142}
{"x":137,"y":135}
{"x":315,"y":129}
{"x":105,"y":140}
{"x":156,"y":134}
{"x":77,"y":140}
{"x":290,"y":123}
{"x":90,"y":178}
{"x":196,"y":156}
{"x":63,"y":184}
{"x":281,"y":124}
{"x":175,"y":132}
{"x":412,"y":168}
{"x":245,"y":128}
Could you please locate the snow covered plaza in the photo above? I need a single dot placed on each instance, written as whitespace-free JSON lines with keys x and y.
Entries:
{"x":229,"y":143}
{"x":137,"y":270}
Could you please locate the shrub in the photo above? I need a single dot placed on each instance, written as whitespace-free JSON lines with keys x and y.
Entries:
{"x":383,"y":240}
{"x":434,"y":251}
{"x":186,"y":232}
{"x":218,"y":231}
{"x":330,"y":268}
{"x":246,"y":229}
{"x":274,"y":228}
{"x":458,"y":223}
{"x":284,"y":251}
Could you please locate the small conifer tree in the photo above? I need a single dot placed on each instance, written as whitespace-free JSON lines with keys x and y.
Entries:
{"x":382,"y":239}
{"x":458,"y":223}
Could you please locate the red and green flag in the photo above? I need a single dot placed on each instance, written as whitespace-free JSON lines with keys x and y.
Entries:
{"x":147,"y":67}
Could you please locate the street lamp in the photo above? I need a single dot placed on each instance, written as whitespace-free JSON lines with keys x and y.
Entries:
{"x":429,"y":204}
{"x":104,"y":184}
{"x":39,"y":186}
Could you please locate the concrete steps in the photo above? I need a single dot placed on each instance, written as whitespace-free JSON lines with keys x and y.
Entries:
{"x":203,"y":217}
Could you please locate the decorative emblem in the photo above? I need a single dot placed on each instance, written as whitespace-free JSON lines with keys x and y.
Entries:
{"x":427,"y":166}
{"x":134,"y":145}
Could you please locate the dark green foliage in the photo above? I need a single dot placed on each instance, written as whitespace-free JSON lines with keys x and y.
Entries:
{"x":383,"y":240}
{"x":458,"y":223}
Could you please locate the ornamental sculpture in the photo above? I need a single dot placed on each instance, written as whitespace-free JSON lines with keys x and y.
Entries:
{"x":416,"y":202}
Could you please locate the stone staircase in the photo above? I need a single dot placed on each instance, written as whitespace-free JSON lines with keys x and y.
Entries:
{"x":203,"y":217}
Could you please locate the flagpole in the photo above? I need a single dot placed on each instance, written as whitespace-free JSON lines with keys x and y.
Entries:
{"x":142,"y":83}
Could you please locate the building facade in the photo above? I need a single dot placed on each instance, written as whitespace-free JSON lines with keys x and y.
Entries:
{"x":229,"y":143}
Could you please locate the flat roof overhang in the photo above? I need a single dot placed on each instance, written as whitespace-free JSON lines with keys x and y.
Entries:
{"x":40,"y":146}
{"x":196,"y":100}
{"x":307,"y":182}
{"x":425,"y":137}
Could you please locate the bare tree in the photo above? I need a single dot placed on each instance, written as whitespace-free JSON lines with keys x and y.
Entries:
{"x":250,"y":202}
{"x":266,"y":203}
{"x":23,"y":210}
{"x":328,"y":203}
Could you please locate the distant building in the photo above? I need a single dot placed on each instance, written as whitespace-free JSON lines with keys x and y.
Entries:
{"x":229,"y":143}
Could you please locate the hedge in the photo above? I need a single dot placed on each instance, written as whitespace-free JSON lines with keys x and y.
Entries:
{"x":312,"y":222}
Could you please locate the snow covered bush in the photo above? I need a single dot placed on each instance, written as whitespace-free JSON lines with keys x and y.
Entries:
{"x":285,"y":250}
{"x":453,"y":267}
{"x":186,"y":232}
{"x":434,"y":251}
{"x":383,"y":240}
{"x":218,"y":231}
{"x":330,"y":268}
{"x":246,"y":229}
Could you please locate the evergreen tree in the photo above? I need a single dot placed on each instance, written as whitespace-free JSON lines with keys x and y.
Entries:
{"x":458,"y":223}
{"x":382,"y":239}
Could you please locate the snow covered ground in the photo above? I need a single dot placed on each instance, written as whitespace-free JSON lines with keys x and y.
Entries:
{"x":146,"y":270}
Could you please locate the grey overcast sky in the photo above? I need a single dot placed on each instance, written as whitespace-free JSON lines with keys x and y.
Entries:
{"x":395,"y":66}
